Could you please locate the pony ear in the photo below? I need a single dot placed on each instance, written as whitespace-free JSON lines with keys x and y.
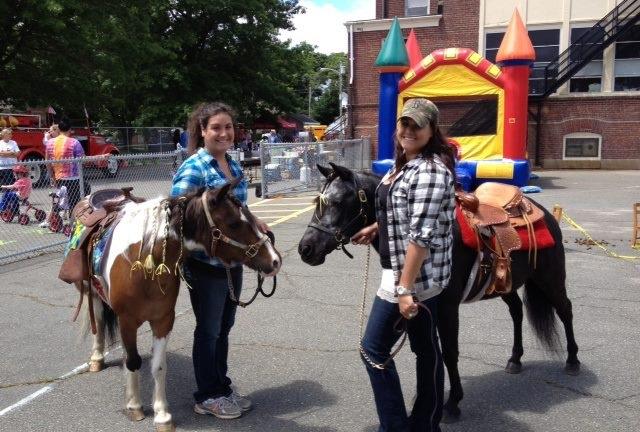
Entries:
{"x":218,"y":194}
{"x":325,"y":171}
{"x":342,"y":172}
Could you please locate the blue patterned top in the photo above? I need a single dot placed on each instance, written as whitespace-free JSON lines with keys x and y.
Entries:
{"x":202,"y":170}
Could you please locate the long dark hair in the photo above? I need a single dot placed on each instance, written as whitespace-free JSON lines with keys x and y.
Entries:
{"x":198,"y":122}
{"x":438,"y":144}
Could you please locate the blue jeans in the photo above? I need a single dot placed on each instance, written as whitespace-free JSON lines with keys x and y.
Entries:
{"x":215,"y":315}
{"x":378,"y":340}
{"x":10,"y":201}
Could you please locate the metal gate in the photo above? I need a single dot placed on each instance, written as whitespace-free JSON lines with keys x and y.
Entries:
{"x":291,"y":168}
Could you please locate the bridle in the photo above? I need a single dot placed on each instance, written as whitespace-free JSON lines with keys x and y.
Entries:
{"x":340,"y":233}
{"x":250,"y":250}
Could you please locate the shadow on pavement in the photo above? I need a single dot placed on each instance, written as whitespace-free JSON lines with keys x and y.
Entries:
{"x":490,"y":397}
{"x":275,"y":409}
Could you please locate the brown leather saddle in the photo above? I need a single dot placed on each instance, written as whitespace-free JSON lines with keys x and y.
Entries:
{"x":493,"y":211}
{"x":96,"y":212}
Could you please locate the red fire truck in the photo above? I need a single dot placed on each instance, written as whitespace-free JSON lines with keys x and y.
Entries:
{"x":28,"y":132}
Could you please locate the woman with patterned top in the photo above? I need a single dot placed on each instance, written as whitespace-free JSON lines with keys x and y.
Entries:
{"x":211,"y":134}
{"x":415,"y":204}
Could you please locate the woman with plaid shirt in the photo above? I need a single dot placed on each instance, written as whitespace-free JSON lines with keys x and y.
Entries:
{"x":211,"y":134}
{"x":415,"y":204}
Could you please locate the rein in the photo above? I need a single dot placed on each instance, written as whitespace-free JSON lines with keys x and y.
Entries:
{"x":250,"y":251}
{"x":400,"y":326}
{"x":339,"y":233}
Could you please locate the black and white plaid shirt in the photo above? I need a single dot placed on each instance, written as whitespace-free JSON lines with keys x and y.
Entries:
{"x":420,"y":209}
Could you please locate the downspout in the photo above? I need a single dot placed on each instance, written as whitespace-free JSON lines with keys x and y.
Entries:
{"x":538,"y":127}
{"x":351,"y":73}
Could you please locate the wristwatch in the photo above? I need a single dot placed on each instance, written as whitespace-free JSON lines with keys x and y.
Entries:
{"x":402,"y":291}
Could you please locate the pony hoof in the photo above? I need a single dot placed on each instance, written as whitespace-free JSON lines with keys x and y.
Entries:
{"x":165,"y":427}
{"x":450,"y":416}
{"x":96,"y":365}
{"x":572,"y":369}
{"x":134,"y":414}
{"x":513,"y":368}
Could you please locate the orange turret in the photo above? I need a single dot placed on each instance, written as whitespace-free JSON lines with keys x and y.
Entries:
{"x":516,"y":44}
{"x":515,"y":57}
{"x":413,"y":50}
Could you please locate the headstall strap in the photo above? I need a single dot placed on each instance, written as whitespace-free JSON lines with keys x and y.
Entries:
{"x":341,"y":240}
{"x":250,"y":251}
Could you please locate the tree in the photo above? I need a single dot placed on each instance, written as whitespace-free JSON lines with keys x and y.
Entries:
{"x":135,"y":62}
{"x":326,"y":108}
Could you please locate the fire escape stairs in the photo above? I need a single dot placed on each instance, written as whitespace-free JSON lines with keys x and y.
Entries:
{"x":593,"y":42}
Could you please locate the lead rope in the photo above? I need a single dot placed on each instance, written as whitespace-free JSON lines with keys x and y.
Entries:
{"x":363,"y":353}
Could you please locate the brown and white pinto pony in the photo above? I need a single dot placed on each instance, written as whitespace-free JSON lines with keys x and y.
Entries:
{"x":167,"y":229}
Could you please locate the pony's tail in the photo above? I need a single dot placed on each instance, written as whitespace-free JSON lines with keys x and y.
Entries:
{"x":541,"y":315}
{"x":110,"y":321}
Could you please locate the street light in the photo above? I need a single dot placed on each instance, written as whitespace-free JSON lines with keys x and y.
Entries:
{"x":339,"y":72}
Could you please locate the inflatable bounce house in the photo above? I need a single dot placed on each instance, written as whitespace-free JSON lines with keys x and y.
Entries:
{"x":491,"y":131}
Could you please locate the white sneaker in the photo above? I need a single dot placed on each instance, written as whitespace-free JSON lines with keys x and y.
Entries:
{"x":44,"y":224}
{"x":222,"y":407}
{"x":243,"y":402}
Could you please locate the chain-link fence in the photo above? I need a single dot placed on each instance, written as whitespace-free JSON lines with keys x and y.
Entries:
{"x":141,"y":139}
{"x":289,"y":168}
{"x":41,"y":223}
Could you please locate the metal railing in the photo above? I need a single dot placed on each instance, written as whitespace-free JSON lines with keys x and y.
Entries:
{"x":589,"y":45}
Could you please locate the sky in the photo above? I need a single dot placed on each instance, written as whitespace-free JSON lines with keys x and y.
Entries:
{"x":323,"y":23}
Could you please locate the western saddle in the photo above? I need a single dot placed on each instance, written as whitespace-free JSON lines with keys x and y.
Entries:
{"x":96,"y":213}
{"x":494,"y":211}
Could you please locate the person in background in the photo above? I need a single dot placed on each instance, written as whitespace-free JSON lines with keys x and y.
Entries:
{"x":211,"y":134}
{"x":65,"y":174}
{"x":9,"y":152}
{"x":53,"y":132}
{"x":273,"y":137}
{"x":19,"y":190}
{"x":415,"y":204}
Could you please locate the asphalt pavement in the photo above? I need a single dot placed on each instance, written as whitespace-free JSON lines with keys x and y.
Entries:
{"x":296,"y":355}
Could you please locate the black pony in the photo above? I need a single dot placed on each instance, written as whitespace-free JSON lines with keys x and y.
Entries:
{"x":341,"y":211}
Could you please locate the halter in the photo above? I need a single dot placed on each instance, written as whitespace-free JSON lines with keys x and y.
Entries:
{"x":250,"y":251}
{"x":339,"y":233}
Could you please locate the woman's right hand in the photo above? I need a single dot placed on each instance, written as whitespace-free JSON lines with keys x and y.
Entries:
{"x":366,"y":235}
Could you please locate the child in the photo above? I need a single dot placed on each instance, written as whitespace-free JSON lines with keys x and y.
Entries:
{"x":19,"y":190}
{"x":59,"y":204}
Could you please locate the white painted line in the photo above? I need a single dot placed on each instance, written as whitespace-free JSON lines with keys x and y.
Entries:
{"x":26,"y":400}
{"x":289,"y":204}
{"x":291,"y":216}
{"x":74,"y":371}
{"x":271,"y":211}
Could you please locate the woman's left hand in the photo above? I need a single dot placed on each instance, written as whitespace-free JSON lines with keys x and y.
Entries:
{"x":408,"y":307}
{"x":263,"y":227}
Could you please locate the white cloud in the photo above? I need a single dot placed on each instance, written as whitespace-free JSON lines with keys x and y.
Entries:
{"x":323,"y":25}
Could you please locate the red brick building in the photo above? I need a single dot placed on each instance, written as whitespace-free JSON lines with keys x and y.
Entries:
{"x":592,"y":120}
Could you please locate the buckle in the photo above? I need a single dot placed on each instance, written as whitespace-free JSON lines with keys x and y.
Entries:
{"x":216,"y":234}
{"x":252,"y":250}
{"x":362,"y":196}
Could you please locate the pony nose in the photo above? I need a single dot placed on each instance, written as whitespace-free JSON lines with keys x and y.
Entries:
{"x":304,"y":250}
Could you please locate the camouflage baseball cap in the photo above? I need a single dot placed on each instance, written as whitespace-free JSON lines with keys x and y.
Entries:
{"x":421,"y":110}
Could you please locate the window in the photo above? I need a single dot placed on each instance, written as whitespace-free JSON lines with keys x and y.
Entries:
{"x":582,"y":146}
{"x":416,"y":7}
{"x":546,"y":43}
{"x":589,"y":78}
{"x":469,"y":117}
{"x":627,"y":66}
